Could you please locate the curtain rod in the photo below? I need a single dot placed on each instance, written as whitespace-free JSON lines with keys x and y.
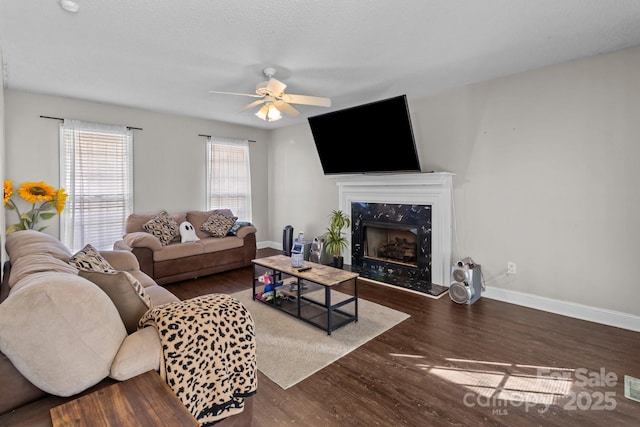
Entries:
{"x":61,"y":119}
{"x":209,"y":136}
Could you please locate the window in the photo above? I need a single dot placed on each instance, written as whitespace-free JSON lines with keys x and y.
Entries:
{"x":229,"y":176}
{"x":96,"y":172}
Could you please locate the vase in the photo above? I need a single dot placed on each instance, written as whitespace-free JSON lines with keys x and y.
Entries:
{"x":338,"y":262}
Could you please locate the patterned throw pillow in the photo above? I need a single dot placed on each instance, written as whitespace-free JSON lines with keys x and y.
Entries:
{"x":163,"y":227}
{"x":218,"y":225}
{"x":89,"y":259}
{"x":237,"y":226}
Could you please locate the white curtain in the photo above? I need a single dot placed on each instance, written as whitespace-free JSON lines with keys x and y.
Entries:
{"x":96,"y":172}
{"x":229,"y":176}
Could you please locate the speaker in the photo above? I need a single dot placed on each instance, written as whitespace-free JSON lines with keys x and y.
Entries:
{"x":467,"y":285}
{"x":287,"y":240}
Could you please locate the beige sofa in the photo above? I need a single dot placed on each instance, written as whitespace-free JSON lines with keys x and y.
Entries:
{"x":178,"y":261}
{"x":60,"y":336}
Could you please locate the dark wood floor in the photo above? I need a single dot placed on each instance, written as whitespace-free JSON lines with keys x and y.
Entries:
{"x":490,"y":363}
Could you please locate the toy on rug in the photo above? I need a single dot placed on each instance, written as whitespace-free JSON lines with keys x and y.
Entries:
{"x":269,"y":288}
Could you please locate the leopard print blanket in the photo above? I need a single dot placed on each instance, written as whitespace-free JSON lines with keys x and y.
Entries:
{"x":209,"y":354}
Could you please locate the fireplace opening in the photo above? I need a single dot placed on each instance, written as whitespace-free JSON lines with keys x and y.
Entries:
{"x":392,"y":243}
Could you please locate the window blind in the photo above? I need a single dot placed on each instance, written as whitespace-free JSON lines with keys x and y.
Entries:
{"x":229,"y":176}
{"x":96,"y":172}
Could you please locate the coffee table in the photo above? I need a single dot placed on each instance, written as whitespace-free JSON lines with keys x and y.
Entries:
{"x":325,"y":313}
{"x":144,"y":400}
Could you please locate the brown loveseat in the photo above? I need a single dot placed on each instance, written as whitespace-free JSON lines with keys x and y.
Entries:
{"x":178,"y":261}
{"x":62,"y":337}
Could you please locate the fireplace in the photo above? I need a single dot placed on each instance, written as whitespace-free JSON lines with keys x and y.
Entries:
{"x":401,"y":229}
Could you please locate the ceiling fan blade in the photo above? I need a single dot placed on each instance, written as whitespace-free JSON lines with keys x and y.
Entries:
{"x":318,"y":101}
{"x":275,"y":87}
{"x":234,"y":93}
{"x":286,"y":108}
{"x":253,"y":104}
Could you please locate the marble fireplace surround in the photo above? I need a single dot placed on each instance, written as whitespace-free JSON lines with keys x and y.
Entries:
{"x":434,"y":189}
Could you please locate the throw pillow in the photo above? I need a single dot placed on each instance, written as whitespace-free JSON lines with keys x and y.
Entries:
{"x":127,"y":294}
{"x":187,"y":232}
{"x":163,"y":227}
{"x":218,"y":225}
{"x":237,"y":226}
{"x":88,"y":258}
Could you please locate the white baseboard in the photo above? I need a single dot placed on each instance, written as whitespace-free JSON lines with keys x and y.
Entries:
{"x":566,"y":308}
{"x":268,"y":244}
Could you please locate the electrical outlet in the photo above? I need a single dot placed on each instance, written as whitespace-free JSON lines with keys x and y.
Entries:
{"x":511,"y":267}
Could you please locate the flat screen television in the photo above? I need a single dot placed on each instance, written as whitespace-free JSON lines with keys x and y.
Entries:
{"x":371,"y":138}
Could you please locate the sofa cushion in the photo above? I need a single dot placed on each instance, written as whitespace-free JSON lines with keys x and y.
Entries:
{"x":178,"y":250}
{"x":61,"y":332}
{"x":215,"y":244}
{"x":27,"y":242}
{"x":218,"y":224}
{"x":163,"y":227}
{"x":125,"y":291}
{"x":160,"y":295}
{"x":136,"y":221}
{"x":88,"y":258}
{"x":141,"y":239}
{"x":140,"y":352}
{"x":37,"y":263}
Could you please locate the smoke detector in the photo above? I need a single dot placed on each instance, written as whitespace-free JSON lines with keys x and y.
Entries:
{"x":70,"y":6}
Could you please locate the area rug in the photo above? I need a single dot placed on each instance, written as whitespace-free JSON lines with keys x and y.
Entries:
{"x":290,"y":350}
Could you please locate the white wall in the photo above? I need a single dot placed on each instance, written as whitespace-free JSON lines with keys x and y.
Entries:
{"x":169,"y":156}
{"x":546,"y":175}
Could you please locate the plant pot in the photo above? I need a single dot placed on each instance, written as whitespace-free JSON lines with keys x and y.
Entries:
{"x":338,"y":262}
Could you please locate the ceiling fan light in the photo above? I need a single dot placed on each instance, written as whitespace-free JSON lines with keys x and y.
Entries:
{"x":262,"y":112}
{"x":274,"y":113}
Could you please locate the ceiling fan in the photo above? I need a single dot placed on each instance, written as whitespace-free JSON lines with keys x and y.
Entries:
{"x":274,"y":100}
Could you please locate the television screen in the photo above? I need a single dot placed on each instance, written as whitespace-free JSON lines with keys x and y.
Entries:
{"x":370,"y":138}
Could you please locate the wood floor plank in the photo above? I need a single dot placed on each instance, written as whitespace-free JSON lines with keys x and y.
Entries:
{"x":448,"y":364}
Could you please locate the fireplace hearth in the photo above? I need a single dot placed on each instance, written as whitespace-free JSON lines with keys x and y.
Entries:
{"x":391,"y":243}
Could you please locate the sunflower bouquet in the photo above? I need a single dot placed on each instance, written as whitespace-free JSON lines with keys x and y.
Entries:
{"x":45,"y":201}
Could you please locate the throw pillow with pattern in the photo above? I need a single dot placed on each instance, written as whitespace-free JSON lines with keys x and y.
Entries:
{"x":163,"y":227}
{"x":237,"y":226}
{"x":218,"y":225}
{"x":89,"y":259}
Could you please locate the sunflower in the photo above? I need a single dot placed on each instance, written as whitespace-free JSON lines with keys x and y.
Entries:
{"x":8,"y":190}
{"x":61,"y":198}
{"x":34,"y":192}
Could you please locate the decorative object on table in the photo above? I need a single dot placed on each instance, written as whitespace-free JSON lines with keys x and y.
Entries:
{"x":45,"y":201}
{"x":297,"y":255}
{"x":335,"y":240}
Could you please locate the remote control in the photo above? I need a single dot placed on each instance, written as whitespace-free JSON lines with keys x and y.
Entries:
{"x":300,"y":270}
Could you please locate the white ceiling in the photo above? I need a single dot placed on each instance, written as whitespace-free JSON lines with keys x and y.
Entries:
{"x":166,"y":55}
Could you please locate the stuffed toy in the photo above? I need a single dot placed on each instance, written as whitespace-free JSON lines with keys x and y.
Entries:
{"x":187,"y":232}
{"x":269,"y":288}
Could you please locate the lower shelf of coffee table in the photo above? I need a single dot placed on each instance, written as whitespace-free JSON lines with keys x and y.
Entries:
{"x":313,"y":308}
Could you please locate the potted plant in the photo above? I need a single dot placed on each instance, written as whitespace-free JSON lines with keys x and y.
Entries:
{"x":335,"y":240}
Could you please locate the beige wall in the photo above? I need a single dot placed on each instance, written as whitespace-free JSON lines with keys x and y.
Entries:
{"x":169,"y":156}
{"x":2,"y":158}
{"x":546,"y":175}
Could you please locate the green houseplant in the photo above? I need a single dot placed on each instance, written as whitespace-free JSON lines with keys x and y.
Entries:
{"x":335,"y":240}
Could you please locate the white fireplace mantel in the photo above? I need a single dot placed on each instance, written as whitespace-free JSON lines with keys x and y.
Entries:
{"x":433,"y":189}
